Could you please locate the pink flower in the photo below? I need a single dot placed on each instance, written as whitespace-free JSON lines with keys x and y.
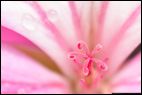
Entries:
{"x":70,"y":47}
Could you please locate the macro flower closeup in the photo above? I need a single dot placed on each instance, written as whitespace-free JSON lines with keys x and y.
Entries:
{"x":70,"y":47}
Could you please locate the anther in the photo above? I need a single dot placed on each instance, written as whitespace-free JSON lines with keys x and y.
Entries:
{"x":103,"y":67}
{"x":83,"y":47}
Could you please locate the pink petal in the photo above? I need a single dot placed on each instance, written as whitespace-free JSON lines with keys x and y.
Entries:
{"x":114,"y":18}
{"x":23,"y":75}
{"x":107,"y":19}
{"x":60,"y":14}
{"x":100,"y":12}
{"x":86,"y":16}
{"x":28,"y":24}
{"x":11,"y":37}
{"x":126,"y":40}
{"x":133,"y":88}
{"x":129,"y":77}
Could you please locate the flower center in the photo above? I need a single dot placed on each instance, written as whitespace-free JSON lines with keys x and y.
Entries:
{"x":91,"y":68}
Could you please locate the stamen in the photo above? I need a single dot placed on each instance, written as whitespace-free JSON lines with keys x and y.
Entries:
{"x":71,"y":56}
{"x":86,"y":71}
{"x":87,"y":67}
{"x":103,"y":67}
{"x":83,"y":47}
{"x":97,"y":49}
{"x":86,"y":59}
{"x":79,"y":46}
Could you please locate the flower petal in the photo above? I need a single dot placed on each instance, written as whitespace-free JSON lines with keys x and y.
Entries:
{"x":20,"y":74}
{"x":115,"y":18}
{"x":20,"y":43}
{"x":87,"y":16}
{"x":132,"y":88}
{"x":60,"y":14}
{"x":99,"y":12}
{"x":11,"y":37}
{"x":129,"y":77}
{"x":124,"y":40}
{"x":129,"y":42}
{"x":26,"y":22}
{"x":112,"y":26}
